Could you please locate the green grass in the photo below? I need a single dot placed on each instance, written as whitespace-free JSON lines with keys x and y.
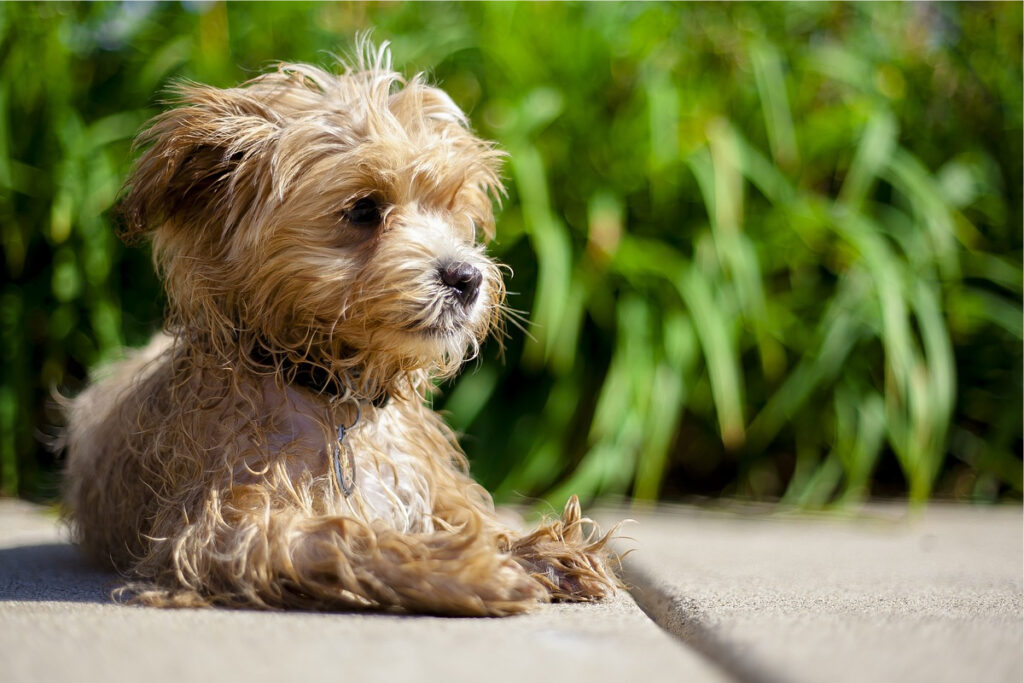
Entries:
{"x":768,"y":251}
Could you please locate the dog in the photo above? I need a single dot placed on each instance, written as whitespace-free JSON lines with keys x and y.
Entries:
{"x":320,"y":236}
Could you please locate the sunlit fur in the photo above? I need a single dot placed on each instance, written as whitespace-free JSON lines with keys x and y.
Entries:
{"x":199,"y":466}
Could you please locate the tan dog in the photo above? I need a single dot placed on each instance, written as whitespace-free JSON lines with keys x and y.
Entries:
{"x":318,"y":238}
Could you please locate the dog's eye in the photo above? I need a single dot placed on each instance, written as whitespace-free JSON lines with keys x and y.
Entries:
{"x":365,"y":213}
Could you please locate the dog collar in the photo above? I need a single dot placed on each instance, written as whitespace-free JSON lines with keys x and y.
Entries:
{"x":313,"y":377}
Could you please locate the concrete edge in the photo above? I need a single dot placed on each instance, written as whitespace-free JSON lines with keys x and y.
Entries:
{"x":685,"y":620}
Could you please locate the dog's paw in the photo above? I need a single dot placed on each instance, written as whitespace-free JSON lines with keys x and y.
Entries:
{"x":513,"y":590}
{"x":569,"y":557}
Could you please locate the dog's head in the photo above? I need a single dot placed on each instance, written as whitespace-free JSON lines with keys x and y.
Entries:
{"x":333,"y":219}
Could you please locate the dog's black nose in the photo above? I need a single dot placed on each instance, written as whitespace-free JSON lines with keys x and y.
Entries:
{"x":464,"y":280}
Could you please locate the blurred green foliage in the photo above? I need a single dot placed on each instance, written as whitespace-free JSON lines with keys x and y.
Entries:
{"x":767,"y":250}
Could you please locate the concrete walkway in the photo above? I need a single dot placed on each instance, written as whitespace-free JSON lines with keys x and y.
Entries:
{"x":883,"y":597}
{"x":748,"y":597}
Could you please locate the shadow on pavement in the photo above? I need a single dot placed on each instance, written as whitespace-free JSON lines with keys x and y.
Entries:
{"x":52,"y":572}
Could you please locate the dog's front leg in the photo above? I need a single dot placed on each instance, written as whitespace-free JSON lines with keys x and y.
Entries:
{"x":287,"y":558}
{"x":448,"y":572}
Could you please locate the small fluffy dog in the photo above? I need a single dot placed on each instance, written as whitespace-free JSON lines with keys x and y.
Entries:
{"x":319,"y":237}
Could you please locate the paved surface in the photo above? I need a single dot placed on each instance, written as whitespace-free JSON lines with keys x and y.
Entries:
{"x":935,"y":597}
{"x":56,"y":624}
{"x":752,"y":597}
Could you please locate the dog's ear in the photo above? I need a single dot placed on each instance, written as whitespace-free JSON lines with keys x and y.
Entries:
{"x":198,"y":158}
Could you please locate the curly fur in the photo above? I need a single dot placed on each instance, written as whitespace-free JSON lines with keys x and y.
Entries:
{"x":199,"y":466}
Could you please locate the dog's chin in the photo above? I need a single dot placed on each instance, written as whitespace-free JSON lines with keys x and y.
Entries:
{"x":441,"y":351}
{"x":444,"y":340}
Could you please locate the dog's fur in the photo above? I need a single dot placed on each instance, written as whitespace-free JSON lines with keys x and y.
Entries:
{"x":201,"y":466}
